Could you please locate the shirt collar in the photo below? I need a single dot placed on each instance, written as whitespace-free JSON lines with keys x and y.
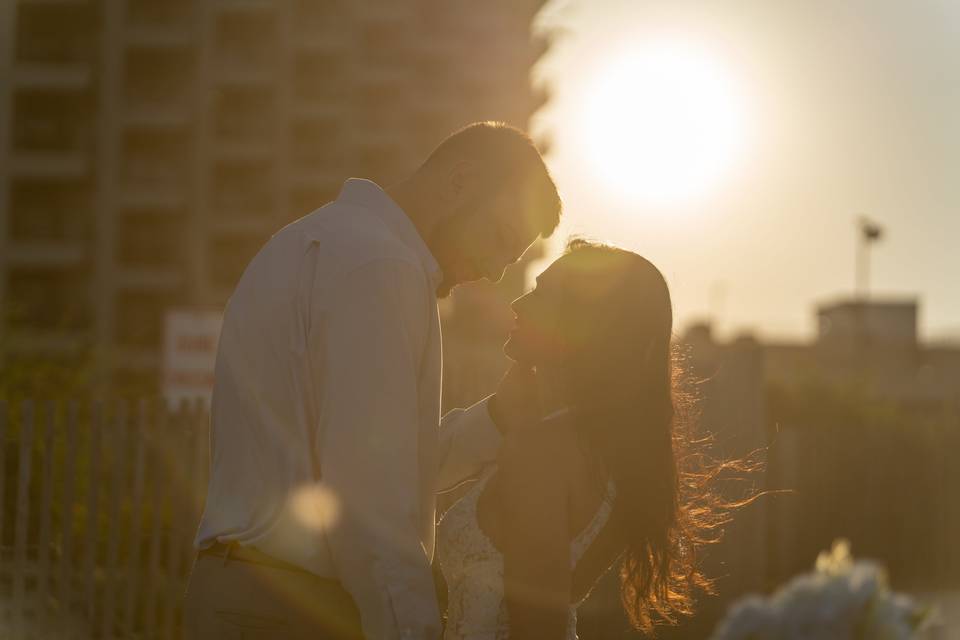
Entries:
{"x":369,"y":195}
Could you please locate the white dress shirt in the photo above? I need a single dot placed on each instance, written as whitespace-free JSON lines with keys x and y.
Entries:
{"x":324,"y":439}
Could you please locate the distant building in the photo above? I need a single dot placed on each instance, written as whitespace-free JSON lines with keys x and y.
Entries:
{"x":874,"y":346}
{"x":148,"y":148}
{"x":861,"y":424}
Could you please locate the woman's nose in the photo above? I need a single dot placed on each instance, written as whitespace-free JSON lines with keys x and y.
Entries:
{"x":517,"y":304}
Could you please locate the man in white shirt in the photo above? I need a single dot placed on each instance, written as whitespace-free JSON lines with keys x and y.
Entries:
{"x":325,"y":449}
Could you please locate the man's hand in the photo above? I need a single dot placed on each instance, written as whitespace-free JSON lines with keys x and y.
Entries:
{"x":516,"y":404}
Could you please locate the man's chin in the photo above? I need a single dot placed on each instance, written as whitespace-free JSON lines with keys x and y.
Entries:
{"x":513,"y":351}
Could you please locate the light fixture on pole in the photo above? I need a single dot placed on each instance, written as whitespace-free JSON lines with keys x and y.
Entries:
{"x":870,"y":232}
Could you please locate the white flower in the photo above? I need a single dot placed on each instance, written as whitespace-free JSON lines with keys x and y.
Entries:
{"x":841,"y":599}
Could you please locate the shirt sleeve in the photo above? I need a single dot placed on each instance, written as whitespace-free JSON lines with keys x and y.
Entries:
{"x":373,"y":335}
{"x":469,"y":440}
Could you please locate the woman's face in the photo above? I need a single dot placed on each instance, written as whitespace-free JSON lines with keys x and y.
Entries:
{"x":554,"y":318}
{"x":536,"y":336}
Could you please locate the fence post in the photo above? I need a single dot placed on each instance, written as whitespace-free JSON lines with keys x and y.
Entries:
{"x":46,"y":503}
{"x":153,"y":591}
{"x":96,"y":426}
{"x":69,"y":491}
{"x":181,"y":501}
{"x":22,"y":517}
{"x":118,"y":481}
{"x":3,"y":470}
{"x":136,"y":520}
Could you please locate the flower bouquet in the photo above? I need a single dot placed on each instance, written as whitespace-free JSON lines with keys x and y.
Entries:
{"x":841,"y":599}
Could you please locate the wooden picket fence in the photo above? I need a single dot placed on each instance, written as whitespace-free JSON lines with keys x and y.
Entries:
{"x":99,"y":503}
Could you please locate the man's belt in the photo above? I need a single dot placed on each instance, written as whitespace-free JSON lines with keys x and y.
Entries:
{"x":235,"y":551}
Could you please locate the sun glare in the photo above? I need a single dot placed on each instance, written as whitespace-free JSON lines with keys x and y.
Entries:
{"x":662,"y":123}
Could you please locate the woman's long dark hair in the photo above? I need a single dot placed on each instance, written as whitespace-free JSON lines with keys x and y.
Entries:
{"x":625,"y":385}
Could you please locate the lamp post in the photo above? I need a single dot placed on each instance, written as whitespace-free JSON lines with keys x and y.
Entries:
{"x":870,"y":232}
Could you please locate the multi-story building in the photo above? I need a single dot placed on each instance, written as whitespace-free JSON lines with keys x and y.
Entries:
{"x":149,"y":147}
{"x":859,"y":425}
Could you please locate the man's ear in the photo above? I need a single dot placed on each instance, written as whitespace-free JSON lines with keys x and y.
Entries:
{"x":460,"y":180}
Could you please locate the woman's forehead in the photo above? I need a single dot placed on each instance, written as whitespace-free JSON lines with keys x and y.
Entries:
{"x":585,"y":273}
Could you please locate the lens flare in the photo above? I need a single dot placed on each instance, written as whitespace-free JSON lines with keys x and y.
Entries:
{"x":662,"y":123}
{"x":315,"y":507}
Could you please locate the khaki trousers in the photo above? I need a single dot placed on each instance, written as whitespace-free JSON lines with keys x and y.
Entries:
{"x":235,"y":600}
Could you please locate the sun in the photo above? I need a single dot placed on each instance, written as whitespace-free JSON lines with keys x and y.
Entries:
{"x":662,"y":123}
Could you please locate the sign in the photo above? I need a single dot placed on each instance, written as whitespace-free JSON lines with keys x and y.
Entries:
{"x":189,"y":354}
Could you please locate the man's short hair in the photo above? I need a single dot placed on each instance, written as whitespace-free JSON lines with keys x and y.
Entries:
{"x":510,"y":158}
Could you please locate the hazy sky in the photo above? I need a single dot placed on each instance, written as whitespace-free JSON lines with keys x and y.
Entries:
{"x":849,"y":106}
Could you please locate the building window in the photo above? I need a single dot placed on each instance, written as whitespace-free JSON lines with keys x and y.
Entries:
{"x":50,"y":211}
{"x":244,"y":40}
{"x":243,"y":187}
{"x":55,"y":33}
{"x":151,"y":239}
{"x":47,"y":299}
{"x":140,"y":317}
{"x":158,"y":78}
{"x":243,"y":114}
{"x":52,"y":121}
{"x":314,"y":18}
{"x":305,"y":200}
{"x":165,"y":13}
{"x":230,"y":253}
{"x":316,"y":144}
{"x":155,"y":159}
{"x":317,"y":76}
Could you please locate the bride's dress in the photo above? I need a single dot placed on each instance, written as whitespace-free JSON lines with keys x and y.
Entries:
{"x":473,"y":568}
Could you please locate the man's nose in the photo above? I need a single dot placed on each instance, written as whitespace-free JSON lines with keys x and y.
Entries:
{"x":495,"y":274}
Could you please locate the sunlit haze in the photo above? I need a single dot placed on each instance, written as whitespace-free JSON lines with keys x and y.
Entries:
{"x":661,"y":122}
{"x":737,"y":145}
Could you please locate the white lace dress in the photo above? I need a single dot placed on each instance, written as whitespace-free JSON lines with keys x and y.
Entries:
{"x":473,"y":568}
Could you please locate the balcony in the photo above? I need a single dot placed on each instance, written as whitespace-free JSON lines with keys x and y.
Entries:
{"x":244,"y":151}
{"x":137,"y":358}
{"x":44,"y":212}
{"x":53,"y":164}
{"x":148,"y":279}
{"x":257,"y":6}
{"x":54,"y":3}
{"x":159,"y":78}
{"x":314,"y":151}
{"x":56,"y":32}
{"x":140,"y":316}
{"x":151,"y":36}
{"x":51,"y":342}
{"x":150,"y":248}
{"x":316,"y":111}
{"x":309,"y":180}
{"x":155,"y":160}
{"x":243,"y":187}
{"x":245,"y":46}
{"x":38,"y":75}
{"x":229,"y":76}
{"x":310,"y":193}
{"x":312,"y":18}
{"x":160,"y":14}
{"x":229,"y":256}
{"x":319,"y":76}
{"x":47,"y":297}
{"x":138,"y":173}
{"x":157,"y":116}
{"x":152,"y":198}
{"x":252,"y":224}
{"x":52,"y":121}
{"x":45,"y":254}
{"x":243,"y":114}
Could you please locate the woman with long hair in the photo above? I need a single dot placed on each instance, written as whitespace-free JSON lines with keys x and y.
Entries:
{"x":610,"y":476}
